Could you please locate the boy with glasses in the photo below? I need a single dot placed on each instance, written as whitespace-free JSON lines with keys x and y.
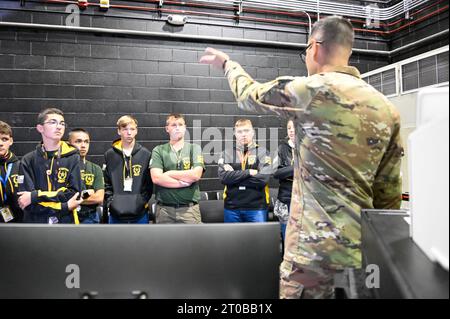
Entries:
{"x":51,"y":181}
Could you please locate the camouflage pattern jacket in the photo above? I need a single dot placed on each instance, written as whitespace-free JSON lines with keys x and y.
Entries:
{"x":348,"y":157}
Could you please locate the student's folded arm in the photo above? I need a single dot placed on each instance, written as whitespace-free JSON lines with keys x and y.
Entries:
{"x":265,"y":171}
{"x":188,"y":176}
{"x":164,"y":180}
{"x":257,"y":181}
{"x":284,"y":173}
{"x":232,"y":177}
{"x":96,"y":198}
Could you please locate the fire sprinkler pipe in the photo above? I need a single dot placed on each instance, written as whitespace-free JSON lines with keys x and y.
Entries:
{"x":197,"y":38}
{"x":267,"y":20}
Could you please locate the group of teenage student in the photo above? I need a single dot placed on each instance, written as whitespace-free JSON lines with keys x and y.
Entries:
{"x":55,"y":183}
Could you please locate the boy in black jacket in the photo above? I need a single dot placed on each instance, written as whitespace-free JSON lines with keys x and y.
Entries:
{"x":245,"y":171}
{"x":128,"y":186}
{"x":10,"y":211}
{"x":51,"y":175}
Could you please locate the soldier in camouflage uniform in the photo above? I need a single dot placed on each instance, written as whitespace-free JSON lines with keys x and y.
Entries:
{"x":348,"y":154}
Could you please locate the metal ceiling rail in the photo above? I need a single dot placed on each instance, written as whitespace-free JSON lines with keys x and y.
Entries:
{"x":327,"y":7}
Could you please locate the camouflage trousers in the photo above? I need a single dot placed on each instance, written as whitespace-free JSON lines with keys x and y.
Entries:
{"x":303,"y":282}
{"x":182,"y":215}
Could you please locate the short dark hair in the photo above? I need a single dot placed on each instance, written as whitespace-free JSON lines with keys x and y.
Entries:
{"x":5,"y":129}
{"x":77,"y":130}
{"x":43,"y":115}
{"x":334,"y":31}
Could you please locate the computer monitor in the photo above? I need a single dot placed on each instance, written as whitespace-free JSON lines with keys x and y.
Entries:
{"x":428,"y":168}
{"x":129,"y":261}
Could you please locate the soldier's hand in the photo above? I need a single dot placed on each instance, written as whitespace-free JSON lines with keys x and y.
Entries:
{"x":214,"y":57}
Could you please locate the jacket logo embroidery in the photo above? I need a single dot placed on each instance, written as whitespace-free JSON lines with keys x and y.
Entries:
{"x":252,"y":160}
{"x":137,"y":170}
{"x":62,"y":175}
{"x":88,"y":179}
{"x":186,"y":163}
{"x":15,"y":180}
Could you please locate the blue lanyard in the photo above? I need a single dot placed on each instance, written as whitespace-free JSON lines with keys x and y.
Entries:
{"x":5,"y":181}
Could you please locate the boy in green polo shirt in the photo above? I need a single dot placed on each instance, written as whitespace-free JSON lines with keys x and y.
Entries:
{"x":176,"y":169}
{"x":91,"y":176}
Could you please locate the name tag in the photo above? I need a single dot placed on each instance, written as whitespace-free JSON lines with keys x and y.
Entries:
{"x":128,"y":184}
{"x":242,"y":188}
{"x":53,"y":220}
{"x":6,"y":214}
{"x":20,"y":179}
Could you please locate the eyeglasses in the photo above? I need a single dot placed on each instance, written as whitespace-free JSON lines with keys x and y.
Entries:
{"x":55,"y":123}
{"x":303,"y":53}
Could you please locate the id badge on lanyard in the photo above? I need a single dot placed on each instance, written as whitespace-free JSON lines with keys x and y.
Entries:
{"x":128,"y":179}
{"x":128,"y":184}
{"x":6,"y":214}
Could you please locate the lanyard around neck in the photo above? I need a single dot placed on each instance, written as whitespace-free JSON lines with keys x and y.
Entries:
{"x":127,"y":167}
{"x":244,"y":158}
{"x":5,"y":181}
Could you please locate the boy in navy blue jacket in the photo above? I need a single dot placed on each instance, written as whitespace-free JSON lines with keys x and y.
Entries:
{"x":51,"y":175}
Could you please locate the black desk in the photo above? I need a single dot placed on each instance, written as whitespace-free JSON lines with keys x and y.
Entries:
{"x":405,"y":271}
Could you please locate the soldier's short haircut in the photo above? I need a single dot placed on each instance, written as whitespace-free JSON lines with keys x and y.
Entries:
{"x":126,"y":120}
{"x":334,"y":31}
{"x":175,"y":116}
{"x":243,"y":122}
{"x":42,"y":117}
{"x":78,"y":130}
{"x":5,"y":129}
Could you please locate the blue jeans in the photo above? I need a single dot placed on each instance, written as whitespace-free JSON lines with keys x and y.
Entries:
{"x":245,"y":216}
{"x":142,"y":220}
{"x":283,"y":230}
{"x":91,"y":218}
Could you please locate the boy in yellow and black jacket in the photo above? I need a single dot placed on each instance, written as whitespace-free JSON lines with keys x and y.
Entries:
{"x":128,"y":186}
{"x":51,"y":175}
{"x":245,"y":171}
{"x":10,"y":211}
